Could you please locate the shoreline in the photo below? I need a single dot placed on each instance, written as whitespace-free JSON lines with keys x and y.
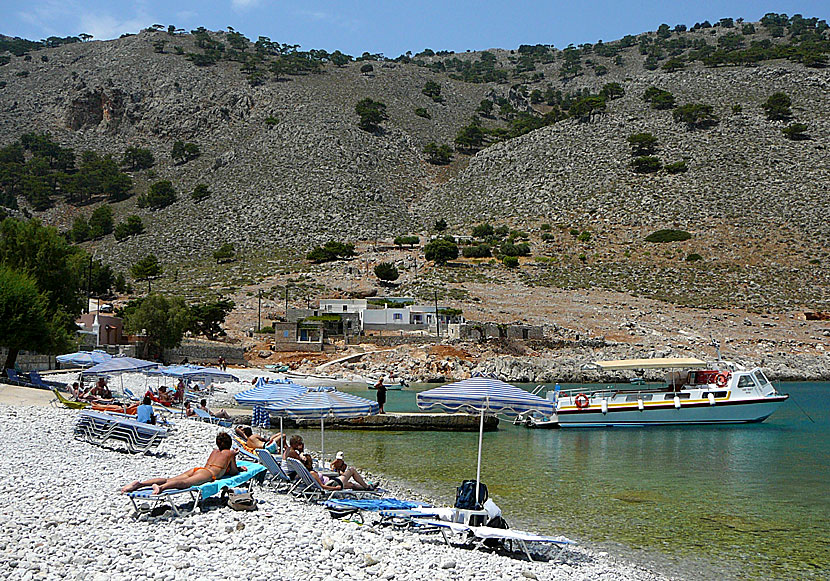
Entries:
{"x":77,"y":524}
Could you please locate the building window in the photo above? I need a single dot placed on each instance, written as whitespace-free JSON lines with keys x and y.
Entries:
{"x":344,"y":308}
{"x":397,"y":317}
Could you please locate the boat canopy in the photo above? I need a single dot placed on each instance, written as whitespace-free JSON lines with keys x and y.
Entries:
{"x":656,"y":363}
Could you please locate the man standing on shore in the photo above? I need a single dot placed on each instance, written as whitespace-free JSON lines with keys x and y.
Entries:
{"x":381,"y":394}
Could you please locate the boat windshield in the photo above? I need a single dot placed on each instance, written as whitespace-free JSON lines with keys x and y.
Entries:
{"x":760,"y":377}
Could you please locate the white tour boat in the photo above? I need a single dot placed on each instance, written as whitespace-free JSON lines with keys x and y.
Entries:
{"x":696,"y":392}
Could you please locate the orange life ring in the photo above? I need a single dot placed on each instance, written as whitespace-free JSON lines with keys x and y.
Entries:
{"x":581,"y":401}
{"x":721,"y":379}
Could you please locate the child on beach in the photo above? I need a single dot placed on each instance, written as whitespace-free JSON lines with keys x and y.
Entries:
{"x":221,"y":462}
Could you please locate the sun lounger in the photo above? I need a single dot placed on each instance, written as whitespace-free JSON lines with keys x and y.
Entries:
{"x":244,"y":451}
{"x":476,"y":536}
{"x":101,"y":428}
{"x":73,"y":405}
{"x":311,"y":490}
{"x":38,"y":381}
{"x":194,"y":494}
{"x":14,"y":379}
{"x":275,"y":472}
{"x":206,"y":417}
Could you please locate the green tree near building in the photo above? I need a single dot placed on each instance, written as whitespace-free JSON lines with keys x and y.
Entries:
{"x":24,"y":322}
{"x":209,"y":317}
{"x":163,"y":319}
{"x":386,"y":272}
{"x":148,"y":268}
{"x":42,"y":254}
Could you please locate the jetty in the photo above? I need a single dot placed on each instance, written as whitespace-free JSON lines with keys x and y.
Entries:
{"x":391,"y":421}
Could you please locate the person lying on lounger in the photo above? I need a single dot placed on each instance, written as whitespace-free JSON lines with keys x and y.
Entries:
{"x":221,"y":462}
{"x":254,"y":441}
{"x":220,"y":414}
{"x":339,"y":482}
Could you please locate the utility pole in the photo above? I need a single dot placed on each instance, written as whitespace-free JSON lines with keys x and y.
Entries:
{"x":88,"y":282}
{"x":437,"y":323}
{"x":259,"y":311}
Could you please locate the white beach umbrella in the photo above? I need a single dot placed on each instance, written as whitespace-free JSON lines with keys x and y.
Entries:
{"x":483,"y":395}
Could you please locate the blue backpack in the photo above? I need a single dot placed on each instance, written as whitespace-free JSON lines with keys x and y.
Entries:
{"x":465,"y":495}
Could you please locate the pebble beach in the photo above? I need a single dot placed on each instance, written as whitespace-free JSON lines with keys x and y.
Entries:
{"x":64,"y":518}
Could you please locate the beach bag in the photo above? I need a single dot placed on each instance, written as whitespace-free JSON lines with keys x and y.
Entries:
{"x":497,"y":522}
{"x":241,"y":501}
{"x":465,"y":495}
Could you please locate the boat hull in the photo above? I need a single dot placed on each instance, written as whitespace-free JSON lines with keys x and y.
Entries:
{"x":736,"y":412}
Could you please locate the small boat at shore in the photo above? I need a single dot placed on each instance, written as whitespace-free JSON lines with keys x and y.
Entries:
{"x":389,"y":386}
{"x":696,"y":392}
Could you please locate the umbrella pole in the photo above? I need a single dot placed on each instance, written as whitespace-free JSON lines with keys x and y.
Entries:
{"x":322,"y":441}
{"x":480,"y":438}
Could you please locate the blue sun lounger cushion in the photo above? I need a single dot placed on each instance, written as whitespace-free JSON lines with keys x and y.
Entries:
{"x":196,"y":493}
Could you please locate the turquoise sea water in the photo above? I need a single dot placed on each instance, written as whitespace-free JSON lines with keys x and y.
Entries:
{"x":740,"y":502}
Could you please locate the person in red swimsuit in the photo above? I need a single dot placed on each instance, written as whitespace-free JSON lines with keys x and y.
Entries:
{"x":221,"y":462}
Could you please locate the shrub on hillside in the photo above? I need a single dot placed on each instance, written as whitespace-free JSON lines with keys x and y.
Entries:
{"x":796,"y":132}
{"x":386,"y":271}
{"x":160,"y":195}
{"x":777,"y":107}
{"x":677,"y":167}
{"x":129,"y":227}
{"x":668,"y":235}
{"x":441,"y":251}
{"x":477,"y":251}
{"x":646,"y":164}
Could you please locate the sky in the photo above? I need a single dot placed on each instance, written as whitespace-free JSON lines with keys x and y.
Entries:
{"x":390,"y":28}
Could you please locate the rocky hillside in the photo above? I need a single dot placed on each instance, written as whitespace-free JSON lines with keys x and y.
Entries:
{"x":288,"y":166}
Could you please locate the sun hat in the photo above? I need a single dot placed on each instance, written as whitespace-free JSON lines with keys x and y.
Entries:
{"x":338,"y":456}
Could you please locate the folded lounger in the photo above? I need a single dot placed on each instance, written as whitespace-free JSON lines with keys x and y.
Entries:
{"x":477,"y":535}
{"x":206,"y":417}
{"x":343,"y":507}
{"x":196,"y":494}
{"x":310,"y":489}
{"x":100,"y":428}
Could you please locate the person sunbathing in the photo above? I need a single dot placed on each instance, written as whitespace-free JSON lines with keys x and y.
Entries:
{"x":339,"y":482}
{"x":164,"y":397}
{"x":221,"y":462}
{"x":254,"y":441}
{"x":220,"y":414}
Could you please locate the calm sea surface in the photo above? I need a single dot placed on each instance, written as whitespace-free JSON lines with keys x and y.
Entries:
{"x":739,"y":502}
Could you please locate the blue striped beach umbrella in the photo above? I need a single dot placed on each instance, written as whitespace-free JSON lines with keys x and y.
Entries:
{"x":84,"y":358}
{"x":269,"y":393}
{"x":325,"y":402}
{"x":483,"y":395}
{"x":120,"y":365}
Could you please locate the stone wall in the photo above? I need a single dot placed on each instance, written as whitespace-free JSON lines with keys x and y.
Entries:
{"x":206,"y":352}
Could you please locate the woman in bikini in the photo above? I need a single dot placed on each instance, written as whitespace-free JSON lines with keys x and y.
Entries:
{"x":343,"y":481}
{"x":221,"y":462}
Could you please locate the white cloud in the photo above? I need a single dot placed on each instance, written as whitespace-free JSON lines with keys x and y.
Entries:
{"x":105,"y":26}
{"x":244,"y":4}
